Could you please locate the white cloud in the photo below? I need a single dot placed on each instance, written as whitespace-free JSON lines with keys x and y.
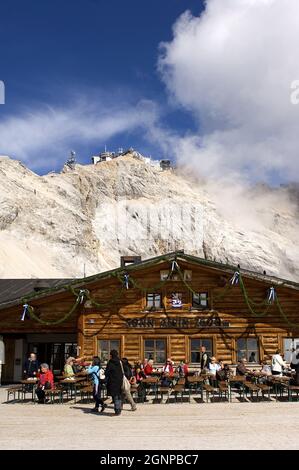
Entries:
{"x":53,"y":131}
{"x":233,"y":68}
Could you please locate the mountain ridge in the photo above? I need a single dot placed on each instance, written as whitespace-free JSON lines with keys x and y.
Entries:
{"x":80,"y":221}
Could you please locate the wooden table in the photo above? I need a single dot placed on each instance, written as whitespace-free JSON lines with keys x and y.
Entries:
{"x":73,"y":385}
{"x":237,"y":379}
{"x":26,"y":382}
{"x":152,"y":382}
{"x":195,"y":379}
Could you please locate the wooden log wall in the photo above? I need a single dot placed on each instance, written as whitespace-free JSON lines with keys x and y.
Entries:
{"x":270,"y":329}
{"x":109,"y":322}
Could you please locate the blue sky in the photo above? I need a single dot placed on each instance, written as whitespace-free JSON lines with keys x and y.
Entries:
{"x":205,"y":84}
{"x":56,"y":54}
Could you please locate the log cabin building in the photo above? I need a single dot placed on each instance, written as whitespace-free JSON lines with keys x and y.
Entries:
{"x":167,"y":306}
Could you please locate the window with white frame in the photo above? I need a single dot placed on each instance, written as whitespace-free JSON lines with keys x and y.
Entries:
{"x":200,"y":300}
{"x":153,"y":300}
{"x":196,"y":344}
{"x":105,"y":346}
{"x":248,"y":348}
{"x":155,"y":349}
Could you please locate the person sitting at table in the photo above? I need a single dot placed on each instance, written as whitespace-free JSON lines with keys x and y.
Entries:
{"x":139,"y":376}
{"x":166,"y":379}
{"x":148,"y":368}
{"x":46,"y":382}
{"x":241,"y":368}
{"x":214,"y":366}
{"x":183,"y":369}
{"x":31,"y":366}
{"x":224,"y":372}
{"x":68,"y":367}
{"x":97,"y":375}
{"x":168,"y":368}
{"x":266,"y":368}
{"x":265,"y":371}
{"x":139,"y":364}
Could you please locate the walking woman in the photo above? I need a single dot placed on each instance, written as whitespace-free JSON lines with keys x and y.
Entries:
{"x":114,"y":377}
{"x":97,"y":374}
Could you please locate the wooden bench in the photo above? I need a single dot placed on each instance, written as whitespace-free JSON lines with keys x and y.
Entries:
{"x":151,"y":384}
{"x":209,"y":390}
{"x":164,"y":390}
{"x":13,"y":391}
{"x":56,"y":392}
{"x":86,"y":393}
{"x":293,"y":389}
{"x":178,"y":389}
{"x":223,"y":389}
{"x":252,"y":388}
{"x":195,"y":385}
{"x":236,"y":384}
{"x":264,"y":388}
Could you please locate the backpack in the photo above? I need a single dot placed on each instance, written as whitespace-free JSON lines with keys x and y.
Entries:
{"x":100,"y":374}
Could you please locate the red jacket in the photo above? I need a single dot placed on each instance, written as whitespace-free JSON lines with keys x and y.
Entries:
{"x":148,"y":369}
{"x":168,"y":368}
{"x":46,"y":377}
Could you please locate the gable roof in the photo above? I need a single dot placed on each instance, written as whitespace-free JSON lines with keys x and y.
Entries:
{"x":20,"y":288}
{"x":13,"y":290}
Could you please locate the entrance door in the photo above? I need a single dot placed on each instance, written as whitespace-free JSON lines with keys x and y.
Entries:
{"x":54,"y":354}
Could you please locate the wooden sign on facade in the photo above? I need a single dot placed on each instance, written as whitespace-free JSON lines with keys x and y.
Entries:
{"x":177,"y":322}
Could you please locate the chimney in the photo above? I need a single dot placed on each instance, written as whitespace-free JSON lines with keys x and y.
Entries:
{"x":127,"y":260}
{"x":41,"y":284}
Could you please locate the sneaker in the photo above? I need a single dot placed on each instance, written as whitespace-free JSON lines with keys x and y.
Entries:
{"x":134,"y":408}
{"x":118,"y":412}
{"x":103,"y":407}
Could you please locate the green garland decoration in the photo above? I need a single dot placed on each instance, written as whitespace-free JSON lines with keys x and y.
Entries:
{"x":98,"y":331}
{"x":247,"y":301}
{"x":296,"y":325}
{"x":95,"y":303}
{"x":86,"y":294}
{"x":56,"y":322}
{"x":144,"y":289}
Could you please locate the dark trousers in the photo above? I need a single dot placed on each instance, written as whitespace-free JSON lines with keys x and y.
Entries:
{"x":117,"y":403}
{"x":141,"y":391}
{"x":96,"y":393}
{"x":40,"y":394}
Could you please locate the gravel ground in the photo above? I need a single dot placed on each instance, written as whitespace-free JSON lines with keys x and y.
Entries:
{"x":261,"y":425}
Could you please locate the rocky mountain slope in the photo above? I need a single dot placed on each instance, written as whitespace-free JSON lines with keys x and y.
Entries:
{"x":62,"y":224}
